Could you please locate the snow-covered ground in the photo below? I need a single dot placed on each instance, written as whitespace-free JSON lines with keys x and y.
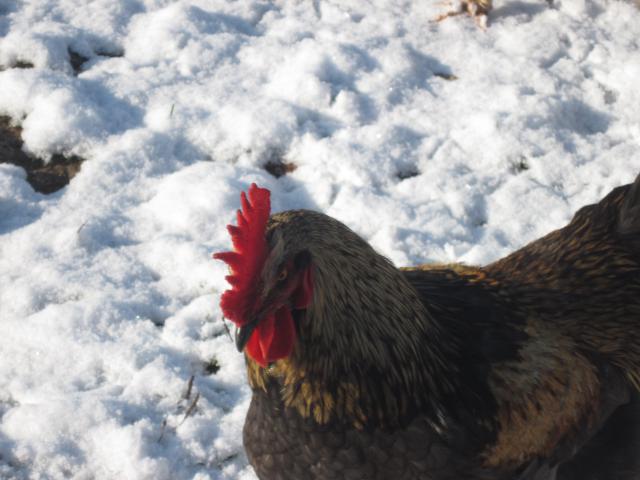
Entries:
{"x":435,"y":141}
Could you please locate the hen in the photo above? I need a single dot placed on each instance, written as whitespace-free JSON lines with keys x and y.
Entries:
{"x":527,"y":368}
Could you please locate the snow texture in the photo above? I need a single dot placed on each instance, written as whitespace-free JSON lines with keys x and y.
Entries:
{"x":434,"y":141}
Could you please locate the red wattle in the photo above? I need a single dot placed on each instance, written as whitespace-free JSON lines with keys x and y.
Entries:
{"x":253,"y":349}
{"x":273,"y":338}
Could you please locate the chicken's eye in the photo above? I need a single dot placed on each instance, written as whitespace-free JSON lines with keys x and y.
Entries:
{"x":282,"y":275}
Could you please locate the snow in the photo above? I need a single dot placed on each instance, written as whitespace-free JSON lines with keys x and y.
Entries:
{"x":434,"y":141}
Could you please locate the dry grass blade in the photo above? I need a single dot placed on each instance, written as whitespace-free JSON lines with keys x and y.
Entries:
{"x":226,"y":327}
{"x":187,"y":393}
{"x":162,"y":429}
{"x":191,"y":409}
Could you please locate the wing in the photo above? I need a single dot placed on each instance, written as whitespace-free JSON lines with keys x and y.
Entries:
{"x":584,"y":279}
{"x":548,"y":395}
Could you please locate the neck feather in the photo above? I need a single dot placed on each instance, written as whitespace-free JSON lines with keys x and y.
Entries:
{"x":368,"y":350}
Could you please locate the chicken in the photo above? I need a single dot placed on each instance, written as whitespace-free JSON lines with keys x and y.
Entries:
{"x":525,"y":369}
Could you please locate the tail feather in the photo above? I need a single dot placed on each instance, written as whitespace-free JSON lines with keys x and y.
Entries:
{"x":629,"y":218}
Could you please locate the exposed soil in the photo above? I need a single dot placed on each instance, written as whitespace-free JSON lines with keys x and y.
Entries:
{"x":44,"y":178}
{"x":278,"y":168}
{"x":22,"y":64}
{"x":77,"y":60}
{"x":409,"y":173}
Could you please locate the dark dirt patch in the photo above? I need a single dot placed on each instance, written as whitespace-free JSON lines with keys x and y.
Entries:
{"x":43,"y":178}
{"x":212,"y":366}
{"x":278,"y":168}
{"x":409,"y":173}
{"x":116,"y":53}
{"x":519,"y":165}
{"x":446,"y":75}
{"x":23,"y":64}
{"x":77,"y":60}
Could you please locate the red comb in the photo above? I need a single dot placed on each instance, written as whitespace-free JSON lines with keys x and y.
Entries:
{"x":247,"y":259}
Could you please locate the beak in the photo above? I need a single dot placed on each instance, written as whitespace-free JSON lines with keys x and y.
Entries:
{"x":243,"y":334}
